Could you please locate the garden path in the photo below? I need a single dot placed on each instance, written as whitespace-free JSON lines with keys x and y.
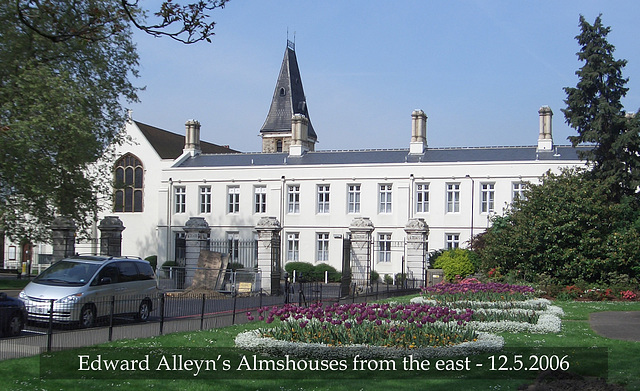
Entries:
{"x":624,"y":325}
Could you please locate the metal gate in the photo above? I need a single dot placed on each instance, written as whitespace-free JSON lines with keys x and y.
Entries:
{"x":382,"y":251}
{"x":239,"y":251}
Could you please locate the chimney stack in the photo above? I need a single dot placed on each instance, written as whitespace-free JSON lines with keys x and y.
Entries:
{"x":418,"y":132}
{"x":192,"y":137}
{"x":545,"y":139}
{"x":299,"y":135}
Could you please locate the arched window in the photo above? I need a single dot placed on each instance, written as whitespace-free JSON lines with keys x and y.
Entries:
{"x":128,"y":184}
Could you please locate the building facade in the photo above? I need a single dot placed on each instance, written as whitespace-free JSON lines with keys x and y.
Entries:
{"x":318,"y":198}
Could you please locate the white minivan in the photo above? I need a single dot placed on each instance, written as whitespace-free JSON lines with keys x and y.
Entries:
{"x":83,"y":288}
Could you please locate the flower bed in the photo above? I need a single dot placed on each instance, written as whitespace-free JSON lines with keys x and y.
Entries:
{"x":369,"y":329}
{"x":533,"y":316}
{"x":572,"y":292}
{"x":256,"y":342}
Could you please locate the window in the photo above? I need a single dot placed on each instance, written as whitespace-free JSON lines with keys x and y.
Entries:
{"x":233,"y":199}
{"x":260,"y":196}
{"x":453,"y":197}
{"x":233,"y":240}
{"x":353,"y":199}
{"x":279,"y":146}
{"x":110,"y":272}
{"x":127,"y":272}
{"x":322,"y":247}
{"x":180,"y":197}
{"x":517,"y":191}
{"x":205,"y":199}
{"x":453,"y":241}
{"x":145,"y":271}
{"x":487,"y":195}
{"x":323,"y":198}
{"x":293,"y":246}
{"x":384,"y":247}
{"x":294,"y":199}
{"x":385,"y":199}
{"x":422,"y":198}
{"x":128,"y":184}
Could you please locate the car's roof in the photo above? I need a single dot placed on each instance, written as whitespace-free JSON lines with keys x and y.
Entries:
{"x":100,"y":258}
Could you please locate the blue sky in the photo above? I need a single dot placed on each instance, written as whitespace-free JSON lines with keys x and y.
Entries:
{"x":480,"y":69}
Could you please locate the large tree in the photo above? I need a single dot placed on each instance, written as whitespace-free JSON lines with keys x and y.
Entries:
{"x":567,"y":229}
{"x":65,"y":75}
{"x":595,"y":110}
{"x":61,"y":20}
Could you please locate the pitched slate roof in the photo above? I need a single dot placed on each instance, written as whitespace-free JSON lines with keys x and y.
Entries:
{"x":288,"y":98}
{"x":169,"y":145}
{"x":437,"y":155}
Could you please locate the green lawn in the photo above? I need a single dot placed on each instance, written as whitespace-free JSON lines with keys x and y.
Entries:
{"x":23,"y":374}
{"x":13,"y":283}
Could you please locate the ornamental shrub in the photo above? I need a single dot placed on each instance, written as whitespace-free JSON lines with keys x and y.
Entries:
{"x":300,"y":267}
{"x":455,"y":262}
{"x":567,"y":228}
{"x":311,"y":273}
{"x":320,"y":269}
{"x":400,"y":277}
{"x":153,"y":261}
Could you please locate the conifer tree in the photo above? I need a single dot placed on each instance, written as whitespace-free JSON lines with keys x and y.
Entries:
{"x":595,"y":110}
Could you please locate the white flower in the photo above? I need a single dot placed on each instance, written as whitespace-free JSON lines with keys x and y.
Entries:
{"x":548,"y":319}
{"x":254,"y":341}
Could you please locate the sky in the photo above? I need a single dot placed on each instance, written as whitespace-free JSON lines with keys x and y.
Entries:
{"x":480,"y":69}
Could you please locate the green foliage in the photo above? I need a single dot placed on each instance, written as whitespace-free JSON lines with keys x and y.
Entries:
{"x":399,"y":278}
{"x":320,"y":269}
{"x":60,"y":109}
{"x":300,"y":267}
{"x":455,"y":262}
{"x":594,"y":109}
{"x":388,"y":279}
{"x":311,"y":272}
{"x":565,"y":229}
{"x":374,"y":276}
{"x":169,"y":264}
{"x":65,"y":70}
{"x":433,"y":255}
{"x":101,"y":19}
{"x":153,"y":260}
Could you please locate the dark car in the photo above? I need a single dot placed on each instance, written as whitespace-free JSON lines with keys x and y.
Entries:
{"x":13,"y":314}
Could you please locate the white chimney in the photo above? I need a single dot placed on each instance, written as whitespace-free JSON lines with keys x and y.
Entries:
{"x":545,"y":139}
{"x":418,"y":132}
{"x":192,"y":137}
{"x":299,"y":135}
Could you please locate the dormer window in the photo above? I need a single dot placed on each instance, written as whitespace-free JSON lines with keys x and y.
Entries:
{"x":283,"y":92}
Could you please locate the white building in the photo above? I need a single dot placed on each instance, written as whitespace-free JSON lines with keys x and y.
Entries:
{"x":317,"y":195}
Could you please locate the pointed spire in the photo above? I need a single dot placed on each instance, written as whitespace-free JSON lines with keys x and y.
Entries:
{"x":288,"y":100}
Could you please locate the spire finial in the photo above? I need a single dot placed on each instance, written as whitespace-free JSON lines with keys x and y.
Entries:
{"x":291,"y":44}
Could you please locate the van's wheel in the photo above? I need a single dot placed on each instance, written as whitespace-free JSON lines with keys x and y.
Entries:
{"x":144,"y":311}
{"x":88,"y":316}
{"x":15,"y":325}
